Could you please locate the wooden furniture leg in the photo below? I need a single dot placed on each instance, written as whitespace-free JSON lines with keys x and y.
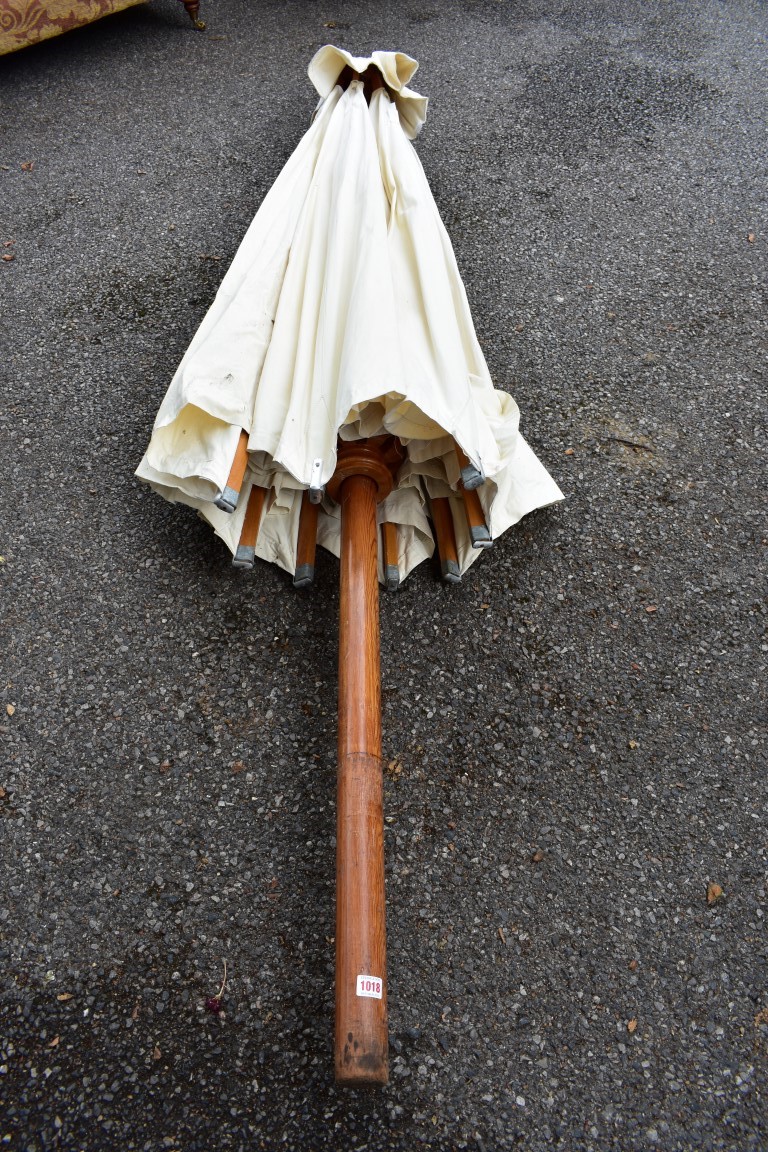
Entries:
{"x":193,"y":8}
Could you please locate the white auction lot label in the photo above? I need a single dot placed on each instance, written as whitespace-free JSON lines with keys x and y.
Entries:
{"x":370,"y":986}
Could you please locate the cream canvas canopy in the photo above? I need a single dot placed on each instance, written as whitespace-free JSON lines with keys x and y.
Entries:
{"x":343,"y":316}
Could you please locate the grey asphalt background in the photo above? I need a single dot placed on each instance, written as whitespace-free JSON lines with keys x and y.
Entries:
{"x":575,"y":736}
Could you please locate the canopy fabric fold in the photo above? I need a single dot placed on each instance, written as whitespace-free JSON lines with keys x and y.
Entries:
{"x":396,"y":70}
{"x":343,"y":316}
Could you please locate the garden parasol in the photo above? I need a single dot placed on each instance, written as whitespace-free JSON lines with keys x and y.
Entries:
{"x":336,"y":393}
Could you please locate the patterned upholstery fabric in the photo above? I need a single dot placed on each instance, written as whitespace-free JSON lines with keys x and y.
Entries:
{"x":24,"y":22}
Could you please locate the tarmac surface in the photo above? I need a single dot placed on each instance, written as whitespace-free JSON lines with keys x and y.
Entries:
{"x":576,"y":785}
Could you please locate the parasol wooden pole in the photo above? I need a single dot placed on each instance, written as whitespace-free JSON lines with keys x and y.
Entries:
{"x":361,"y":986}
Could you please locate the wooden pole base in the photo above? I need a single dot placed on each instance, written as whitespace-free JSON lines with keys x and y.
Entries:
{"x":363,"y":477}
{"x":361,"y":986}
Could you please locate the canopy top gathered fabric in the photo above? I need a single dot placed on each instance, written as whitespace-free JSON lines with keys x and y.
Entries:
{"x":396,"y":70}
{"x":342,"y":317}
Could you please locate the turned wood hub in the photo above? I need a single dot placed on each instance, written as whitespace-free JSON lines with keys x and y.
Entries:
{"x":378,"y":459}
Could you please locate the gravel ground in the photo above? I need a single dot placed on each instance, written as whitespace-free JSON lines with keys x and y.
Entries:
{"x":575,"y":736}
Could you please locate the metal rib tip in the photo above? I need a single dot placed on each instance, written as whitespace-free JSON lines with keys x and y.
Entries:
{"x":480,"y":536}
{"x":391,"y":577}
{"x":315,"y":487}
{"x":472,"y":477}
{"x":227,"y":500}
{"x":451,"y":572}
{"x":304,"y":576}
{"x":245,"y":557}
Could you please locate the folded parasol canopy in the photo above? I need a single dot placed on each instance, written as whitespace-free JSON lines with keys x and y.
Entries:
{"x":343,"y":316}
